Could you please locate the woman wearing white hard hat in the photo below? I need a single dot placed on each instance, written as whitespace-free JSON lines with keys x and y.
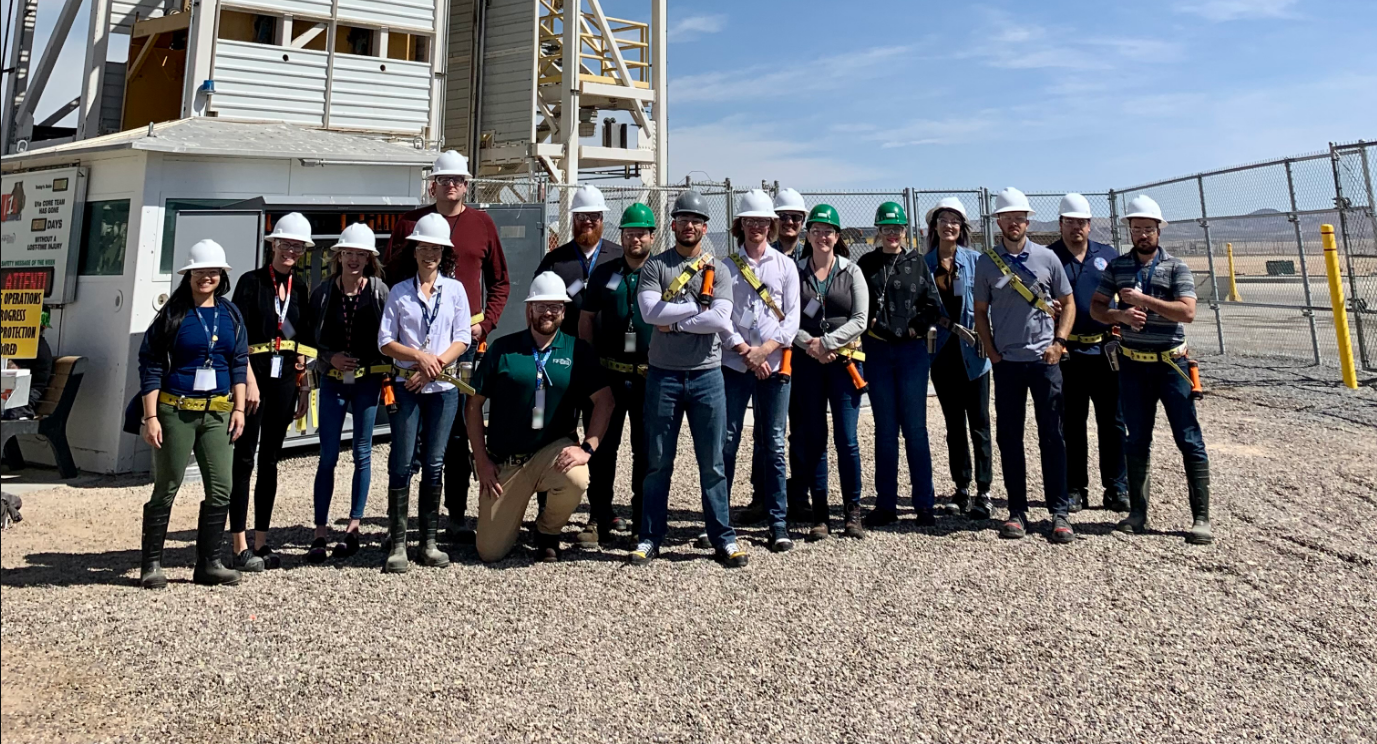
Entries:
{"x":345,"y":313}
{"x":273,"y":302}
{"x":193,"y":370}
{"x":960,"y":375}
{"x":425,"y":329}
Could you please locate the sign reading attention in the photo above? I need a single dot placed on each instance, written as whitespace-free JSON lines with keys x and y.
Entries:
{"x":39,"y":216}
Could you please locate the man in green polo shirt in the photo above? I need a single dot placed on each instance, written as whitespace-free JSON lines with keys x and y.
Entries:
{"x":536,"y":380}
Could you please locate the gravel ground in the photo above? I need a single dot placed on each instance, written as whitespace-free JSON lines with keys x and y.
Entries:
{"x":945,"y":634}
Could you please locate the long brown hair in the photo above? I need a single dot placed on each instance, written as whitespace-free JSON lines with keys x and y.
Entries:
{"x":964,"y":239}
{"x":405,"y":263}
{"x":374,"y":267}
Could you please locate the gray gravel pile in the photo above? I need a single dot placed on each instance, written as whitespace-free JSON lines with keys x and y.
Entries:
{"x":944,"y":634}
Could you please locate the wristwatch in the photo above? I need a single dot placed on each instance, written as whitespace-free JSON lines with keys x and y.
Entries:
{"x":1059,"y":341}
{"x":586,"y":447}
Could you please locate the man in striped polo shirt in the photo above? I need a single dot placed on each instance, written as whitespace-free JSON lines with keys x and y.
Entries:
{"x":1156,"y":299}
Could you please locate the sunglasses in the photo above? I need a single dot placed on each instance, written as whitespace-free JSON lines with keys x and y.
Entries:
{"x":451,"y":180}
{"x":790,"y":217}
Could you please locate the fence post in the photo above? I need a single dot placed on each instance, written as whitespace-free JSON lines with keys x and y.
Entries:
{"x":985,"y":227}
{"x":1305,"y":271}
{"x":908,"y":209}
{"x":1336,"y":300}
{"x":1114,"y":221}
{"x":1342,"y":204}
{"x":1209,"y":254}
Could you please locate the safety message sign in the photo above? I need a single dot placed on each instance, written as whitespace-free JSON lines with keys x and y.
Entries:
{"x":39,"y":216}
{"x":22,"y":314}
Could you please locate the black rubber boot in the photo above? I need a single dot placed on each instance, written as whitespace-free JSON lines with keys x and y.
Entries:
{"x":210,"y":536}
{"x":1139,"y":487}
{"x":398,"y":504}
{"x":154,"y":535}
{"x":427,"y":553}
{"x":1198,"y":482}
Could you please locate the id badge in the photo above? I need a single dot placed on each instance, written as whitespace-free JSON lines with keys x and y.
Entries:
{"x":538,"y":412}
{"x":575,"y":287}
{"x":812,"y":308}
{"x":347,"y":376}
{"x":958,"y":286}
{"x":275,"y":366}
{"x":614,"y":282}
{"x":629,"y":342}
{"x":205,"y":380}
{"x":288,"y":330}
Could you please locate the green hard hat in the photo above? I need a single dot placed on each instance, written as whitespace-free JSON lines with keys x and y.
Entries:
{"x":638,"y":215}
{"x":825,"y":214}
{"x":890,"y":213}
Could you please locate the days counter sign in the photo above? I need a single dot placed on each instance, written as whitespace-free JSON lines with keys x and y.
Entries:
{"x":39,"y":230}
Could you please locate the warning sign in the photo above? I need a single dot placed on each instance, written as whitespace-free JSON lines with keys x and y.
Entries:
{"x":39,"y":212}
{"x":22,"y":315}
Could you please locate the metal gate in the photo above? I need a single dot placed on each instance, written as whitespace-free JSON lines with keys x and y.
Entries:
{"x":1357,"y":229}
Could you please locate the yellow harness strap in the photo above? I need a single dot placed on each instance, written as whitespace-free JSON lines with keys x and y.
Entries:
{"x":377,"y":369}
{"x":685,"y":276}
{"x":302,"y":349}
{"x":1018,"y":284}
{"x":218,"y":403}
{"x":749,"y":275}
{"x":1169,"y":357}
{"x":1094,"y":338}
{"x":624,"y":368}
{"x":476,"y":319}
{"x":852,"y":351}
{"x":464,"y":387}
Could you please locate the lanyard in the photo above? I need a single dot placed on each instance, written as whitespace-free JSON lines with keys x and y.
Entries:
{"x":821,"y":288}
{"x":349,"y":308}
{"x":1021,"y":261}
{"x":279,"y":304}
{"x":630,"y":281}
{"x":213,"y":335}
{"x":589,"y":262}
{"x":540,"y":365}
{"x":428,"y":315}
{"x":1146,"y":284}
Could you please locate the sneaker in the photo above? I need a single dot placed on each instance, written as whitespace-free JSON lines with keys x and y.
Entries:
{"x":621,"y":524}
{"x":349,"y":547}
{"x":1116,"y":501}
{"x":702,"y":542}
{"x":880,"y":518}
{"x":1015,"y":528}
{"x":1061,"y":533}
{"x":270,"y":557}
{"x":246,"y":562}
{"x":645,"y":552}
{"x":317,"y":553}
{"x":961,"y":499}
{"x":926,"y":517}
{"x":819,"y":532}
{"x":732,"y":556}
{"x":780,"y":541}
{"x":982,"y":508}
{"x":1078,"y":499}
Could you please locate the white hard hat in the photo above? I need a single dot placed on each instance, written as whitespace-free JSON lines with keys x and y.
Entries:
{"x":293,"y":226}
{"x":1075,"y":206}
{"x":359,"y":237}
{"x":205,"y":254}
{"x":588,"y":199}
{"x":756,"y":203}
{"x":547,"y":287}
{"x":432,"y":228}
{"x":1012,"y":200}
{"x":450,"y":163}
{"x":1142,"y":205}
{"x":950,"y":202}
{"x":789,"y":200}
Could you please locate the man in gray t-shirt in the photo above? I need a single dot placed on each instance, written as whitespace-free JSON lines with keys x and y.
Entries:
{"x":1024,"y":312}
{"x":685,"y":378}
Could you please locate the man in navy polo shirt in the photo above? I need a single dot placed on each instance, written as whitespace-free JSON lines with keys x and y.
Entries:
{"x":1085,"y":368}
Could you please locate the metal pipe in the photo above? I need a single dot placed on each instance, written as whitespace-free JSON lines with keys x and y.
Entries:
{"x":480,"y":46}
{"x":1300,"y":248}
{"x":1209,"y":254}
{"x":1114,"y":221}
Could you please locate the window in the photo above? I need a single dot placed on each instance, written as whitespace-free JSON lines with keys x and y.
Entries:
{"x":170,"y":225}
{"x":255,"y":28}
{"x":355,"y":40}
{"x":408,"y":47}
{"x":105,"y":232}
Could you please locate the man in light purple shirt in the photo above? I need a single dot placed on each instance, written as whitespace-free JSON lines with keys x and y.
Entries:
{"x":765,"y":303}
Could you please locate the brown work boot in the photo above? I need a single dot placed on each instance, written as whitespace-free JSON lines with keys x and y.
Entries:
{"x":819,"y":532}
{"x":589,"y":536}
{"x":853,"y":527}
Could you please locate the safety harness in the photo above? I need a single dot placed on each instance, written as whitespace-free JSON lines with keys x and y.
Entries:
{"x":219,"y":403}
{"x":1033,"y":299}
{"x":444,"y":376}
{"x":754,"y":281}
{"x":685,"y":276}
{"x":1168,"y":357}
{"x":624,"y":368}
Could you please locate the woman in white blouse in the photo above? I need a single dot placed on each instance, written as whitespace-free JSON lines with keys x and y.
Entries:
{"x":425,"y":327}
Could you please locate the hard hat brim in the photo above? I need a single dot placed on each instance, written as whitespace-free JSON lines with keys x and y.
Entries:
{"x":290,"y":236}
{"x":449,"y":172}
{"x":204,"y":265}
{"x":757,"y":213}
{"x":1002,"y":210}
{"x":692,"y":212}
{"x":933,"y":213}
{"x":446,"y":242}
{"x":1141,"y":216}
{"x":354,"y":246}
{"x":549,"y":298}
{"x":1077,"y":215}
{"x":582,"y":210}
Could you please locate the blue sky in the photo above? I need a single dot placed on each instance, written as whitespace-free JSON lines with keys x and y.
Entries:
{"x":1046,"y":94}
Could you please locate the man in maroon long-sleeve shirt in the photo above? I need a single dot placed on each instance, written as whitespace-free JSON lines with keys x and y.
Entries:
{"x":482,"y":268}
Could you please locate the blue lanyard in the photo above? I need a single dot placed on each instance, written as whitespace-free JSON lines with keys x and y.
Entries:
{"x":589,"y":262}
{"x":1146,"y":285}
{"x":540,"y":365}
{"x":211,"y":336}
{"x":428,"y":315}
{"x":1021,"y":261}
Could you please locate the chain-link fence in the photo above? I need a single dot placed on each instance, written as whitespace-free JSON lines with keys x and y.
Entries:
{"x":1251,"y":236}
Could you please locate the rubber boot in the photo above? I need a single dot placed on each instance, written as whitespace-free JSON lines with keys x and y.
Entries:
{"x":1139,"y":486}
{"x":1198,"y":482}
{"x":210,"y":536}
{"x":428,"y":554}
{"x":398,"y":504}
{"x":154,"y":535}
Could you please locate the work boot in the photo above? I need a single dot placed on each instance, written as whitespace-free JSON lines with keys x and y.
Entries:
{"x":427,"y":553}
{"x":982,"y":508}
{"x":154,"y":535}
{"x":1198,"y":482}
{"x":880,"y":518}
{"x":756,"y":513}
{"x":458,"y":532}
{"x":799,"y":512}
{"x":1077,"y":499}
{"x":547,"y":548}
{"x":853,"y":526}
{"x":1116,"y":501}
{"x":398,"y":504}
{"x":210,"y":535}
{"x":925,"y":517}
{"x":961,"y":499}
{"x":819,"y":532}
{"x":589,"y":535}
{"x":1139,"y":487}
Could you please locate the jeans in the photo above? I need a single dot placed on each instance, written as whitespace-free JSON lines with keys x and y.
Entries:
{"x":1088,"y":377}
{"x":1142,"y":385}
{"x":771,"y":397}
{"x":264,"y":431}
{"x":1014,"y":381}
{"x":670,"y":395}
{"x":964,"y":401}
{"x":205,"y":433}
{"x":817,"y":385}
{"x":336,"y":399}
{"x":628,"y":396}
{"x":800,"y":480}
{"x":898,"y":378}
{"x":424,"y":416}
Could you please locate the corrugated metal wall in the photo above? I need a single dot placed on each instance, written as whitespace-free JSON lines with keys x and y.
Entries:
{"x":509,"y":72}
{"x":314,"y":8}
{"x":458,"y":86}
{"x":257,"y":81}
{"x":112,"y":97}
{"x":418,"y":14}
{"x":384,"y":95}
{"x":123,"y":12}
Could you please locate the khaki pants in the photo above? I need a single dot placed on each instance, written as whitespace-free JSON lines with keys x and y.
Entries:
{"x":499,"y":519}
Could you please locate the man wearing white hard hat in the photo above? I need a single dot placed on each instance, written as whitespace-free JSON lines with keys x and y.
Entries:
{"x":574,"y":261}
{"x":791,"y":211}
{"x":345,"y":313}
{"x":481,"y":266}
{"x":1024,"y":313}
{"x":1086,"y":369}
{"x":536,"y":381}
{"x":1156,"y":295}
{"x":273,"y":300}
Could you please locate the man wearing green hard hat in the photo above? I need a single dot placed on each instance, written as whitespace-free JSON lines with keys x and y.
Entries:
{"x":612,"y":323}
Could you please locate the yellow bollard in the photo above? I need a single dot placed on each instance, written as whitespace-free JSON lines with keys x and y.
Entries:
{"x":1233,"y":279}
{"x":1336,"y":300}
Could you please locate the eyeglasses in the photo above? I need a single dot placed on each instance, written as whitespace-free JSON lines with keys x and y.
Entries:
{"x":204,"y":273}
{"x":547,"y":308}
{"x":588,"y":216}
{"x":790,"y":216}
{"x":1143,"y":230}
{"x":429,"y":248}
{"x":822,"y":231}
{"x":950,"y":222}
{"x":451,"y":180}
{"x":1013,"y":220}
{"x":892,"y":230}
{"x":755,"y":221}
{"x":691,"y":221}
{"x":285,"y":247}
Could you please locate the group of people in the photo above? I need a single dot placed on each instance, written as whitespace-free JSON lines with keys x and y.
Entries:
{"x":785,"y":323}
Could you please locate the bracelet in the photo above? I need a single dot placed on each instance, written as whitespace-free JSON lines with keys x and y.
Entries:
{"x":146,"y":418}
{"x":237,"y":410}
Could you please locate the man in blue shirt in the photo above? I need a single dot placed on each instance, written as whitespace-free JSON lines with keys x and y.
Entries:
{"x":1085,"y":367}
{"x":1024,"y":313}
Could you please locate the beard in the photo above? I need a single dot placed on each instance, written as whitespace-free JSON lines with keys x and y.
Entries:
{"x":1145,"y":247}
{"x":589,"y":236}
{"x":542,"y":324}
{"x":640,"y":252}
{"x":689,"y":240}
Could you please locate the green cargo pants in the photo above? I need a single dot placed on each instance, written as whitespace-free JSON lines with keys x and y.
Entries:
{"x":207,"y":434}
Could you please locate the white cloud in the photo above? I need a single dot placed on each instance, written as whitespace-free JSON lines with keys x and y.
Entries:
{"x":746,"y":152}
{"x":1009,"y":42}
{"x":791,"y":80}
{"x":1233,"y":10}
{"x":693,"y":26}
